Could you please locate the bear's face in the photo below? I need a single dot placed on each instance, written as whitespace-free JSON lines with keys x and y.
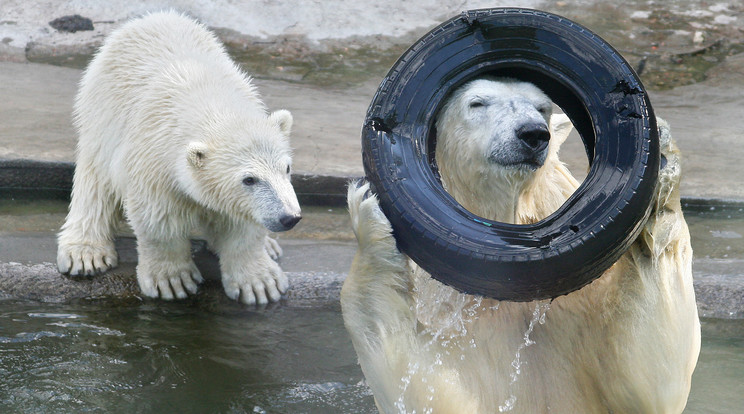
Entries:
{"x":500,"y":122}
{"x":492,"y":136}
{"x":248,"y":175}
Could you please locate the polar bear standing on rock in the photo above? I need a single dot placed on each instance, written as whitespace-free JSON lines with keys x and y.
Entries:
{"x":626,"y":343}
{"x":172,"y":131}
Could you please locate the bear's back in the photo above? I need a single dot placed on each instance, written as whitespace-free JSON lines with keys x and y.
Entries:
{"x":150,"y":89}
{"x":153,"y":49}
{"x":146,"y":43}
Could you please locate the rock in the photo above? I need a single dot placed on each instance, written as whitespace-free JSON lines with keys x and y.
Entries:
{"x":72,"y":23}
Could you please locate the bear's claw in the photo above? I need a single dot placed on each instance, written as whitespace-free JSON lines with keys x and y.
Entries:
{"x":273,"y":248}
{"x":85,"y":259}
{"x":167,"y":283}
{"x":257,"y":289}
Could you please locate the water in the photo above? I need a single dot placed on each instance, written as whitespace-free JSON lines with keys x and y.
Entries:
{"x":181,"y":358}
{"x":718,"y":381}
{"x":718,"y":259}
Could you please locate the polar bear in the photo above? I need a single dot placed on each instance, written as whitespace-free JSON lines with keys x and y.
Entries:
{"x":626,"y":343}
{"x":172,"y":131}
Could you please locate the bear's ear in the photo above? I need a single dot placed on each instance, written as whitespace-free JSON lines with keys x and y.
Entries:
{"x":283,"y":119}
{"x":197,"y":153}
{"x":561,"y":127}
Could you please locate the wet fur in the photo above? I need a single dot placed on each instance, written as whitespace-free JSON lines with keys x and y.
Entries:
{"x":169,"y":127}
{"x":626,"y":343}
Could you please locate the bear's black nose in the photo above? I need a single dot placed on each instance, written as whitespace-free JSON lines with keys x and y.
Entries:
{"x":290,"y":220}
{"x":534,"y":136}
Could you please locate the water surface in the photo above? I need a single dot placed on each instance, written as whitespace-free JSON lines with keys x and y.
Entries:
{"x":151,"y":357}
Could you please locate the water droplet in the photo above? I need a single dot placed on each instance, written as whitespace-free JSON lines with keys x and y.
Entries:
{"x":508,"y":404}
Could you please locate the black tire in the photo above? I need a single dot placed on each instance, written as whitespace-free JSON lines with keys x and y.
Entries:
{"x":602,"y":96}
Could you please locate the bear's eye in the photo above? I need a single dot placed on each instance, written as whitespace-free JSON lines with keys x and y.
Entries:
{"x":289,"y":168}
{"x":249,"y":180}
{"x":477,"y":104}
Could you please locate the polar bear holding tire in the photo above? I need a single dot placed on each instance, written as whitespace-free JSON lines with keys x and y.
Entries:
{"x":172,"y":131}
{"x":626,"y":343}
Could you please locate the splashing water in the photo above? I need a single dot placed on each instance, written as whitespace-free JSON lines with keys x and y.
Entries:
{"x":508,"y":404}
{"x":444,"y":316}
{"x":405,"y":382}
{"x":538,"y":316}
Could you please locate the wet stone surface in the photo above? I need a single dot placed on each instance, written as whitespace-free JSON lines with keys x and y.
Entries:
{"x":670,"y":43}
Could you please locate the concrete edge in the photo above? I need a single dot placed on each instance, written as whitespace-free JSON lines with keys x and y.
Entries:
{"x":42,"y":282}
{"x":719,"y":299}
{"x":53,"y":179}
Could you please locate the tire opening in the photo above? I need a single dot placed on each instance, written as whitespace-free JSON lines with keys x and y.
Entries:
{"x":561,"y":92}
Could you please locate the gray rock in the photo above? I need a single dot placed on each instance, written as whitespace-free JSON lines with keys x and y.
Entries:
{"x":72,"y":23}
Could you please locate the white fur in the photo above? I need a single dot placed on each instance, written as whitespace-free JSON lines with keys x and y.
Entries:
{"x":169,"y":128}
{"x":626,"y":343}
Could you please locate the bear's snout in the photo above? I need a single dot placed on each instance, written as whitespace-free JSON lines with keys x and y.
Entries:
{"x":288,"y":221}
{"x":534,"y":136}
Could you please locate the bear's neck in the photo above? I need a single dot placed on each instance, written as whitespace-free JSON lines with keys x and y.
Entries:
{"x":488,"y":194}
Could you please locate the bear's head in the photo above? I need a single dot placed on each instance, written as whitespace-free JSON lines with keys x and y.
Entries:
{"x":242,"y":169}
{"x":492,"y":136}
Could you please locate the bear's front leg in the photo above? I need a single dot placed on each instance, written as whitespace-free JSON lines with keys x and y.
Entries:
{"x":86,"y":239}
{"x":165,"y":267}
{"x":377,"y":291}
{"x":666,"y":224}
{"x":249,"y":274}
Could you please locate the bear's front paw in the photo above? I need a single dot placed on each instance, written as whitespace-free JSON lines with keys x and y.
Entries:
{"x":670,"y":168}
{"x":273,"y":248}
{"x":670,"y":157}
{"x":86,"y":259}
{"x":168,"y":280}
{"x":257,"y":286}
{"x":367,"y":220}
